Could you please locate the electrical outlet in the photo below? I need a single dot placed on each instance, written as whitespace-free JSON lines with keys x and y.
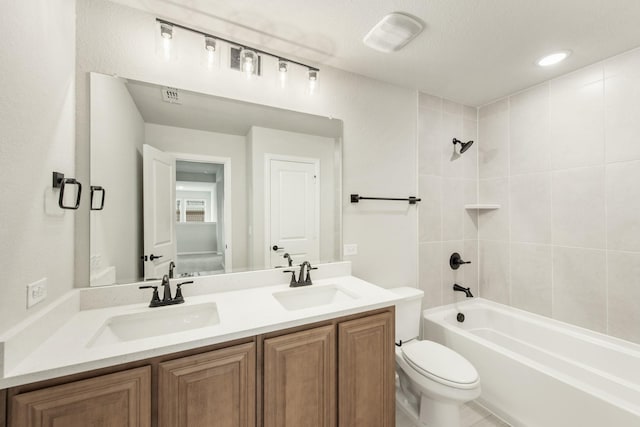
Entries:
{"x":36,"y":292}
{"x":350,"y":250}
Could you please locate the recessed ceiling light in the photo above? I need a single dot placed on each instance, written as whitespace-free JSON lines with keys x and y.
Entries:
{"x":554,"y":58}
{"x":393,"y":32}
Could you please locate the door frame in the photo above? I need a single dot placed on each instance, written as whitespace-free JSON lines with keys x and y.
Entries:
{"x":268,"y":157}
{"x":226,"y":161}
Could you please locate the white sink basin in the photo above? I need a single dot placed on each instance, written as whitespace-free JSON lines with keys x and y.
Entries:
{"x":312,"y":296}
{"x":154,"y":322}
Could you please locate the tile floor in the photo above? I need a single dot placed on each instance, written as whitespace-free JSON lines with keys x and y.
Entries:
{"x":472,"y":415}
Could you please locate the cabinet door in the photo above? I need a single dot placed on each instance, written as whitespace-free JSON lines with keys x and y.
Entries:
{"x":299,"y":379}
{"x":122,"y":399}
{"x":366,"y":366}
{"x":214,"y":389}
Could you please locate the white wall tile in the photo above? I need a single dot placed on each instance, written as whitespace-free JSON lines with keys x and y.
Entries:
{"x":530,"y":143}
{"x":470,"y":113}
{"x":624,"y":295}
{"x":531,"y":277}
{"x":430,"y":141}
{"x":530,"y":202}
{"x":452,"y":163}
{"x":470,"y":221}
{"x":453,"y":196}
{"x":579,"y":208}
{"x":623,"y":206}
{"x":451,"y":107}
{"x":451,"y":276}
{"x":470,"y":157}
{"x":494,"y":270}
{"x":430,"y":273}
{"x":447,"y":182}
{"x":430,"y":209}
{"x":622,"y":103}
{"x":493,"y":135}
{"x":577,"y":118}
{"x":579,"y":287}
{"x":626,"y":63}
{"x":494,"y":224}
{"x":471,"y":278}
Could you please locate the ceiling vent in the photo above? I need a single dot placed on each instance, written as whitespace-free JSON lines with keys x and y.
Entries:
{"x":171,"y":95}
{"x":393,"y":32}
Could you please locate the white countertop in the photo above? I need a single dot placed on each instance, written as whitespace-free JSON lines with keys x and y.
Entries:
{"x":242,"y":313}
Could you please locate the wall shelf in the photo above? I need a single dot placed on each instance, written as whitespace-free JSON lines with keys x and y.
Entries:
{"x":482,"y":206}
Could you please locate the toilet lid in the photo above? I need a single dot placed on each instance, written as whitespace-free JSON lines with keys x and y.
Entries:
{"x":436,"y":360}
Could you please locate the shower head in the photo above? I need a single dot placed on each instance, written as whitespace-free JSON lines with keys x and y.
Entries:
{"x":464,"y":146}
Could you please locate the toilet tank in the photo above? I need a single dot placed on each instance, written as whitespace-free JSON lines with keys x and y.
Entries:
{"x":408,"y":312}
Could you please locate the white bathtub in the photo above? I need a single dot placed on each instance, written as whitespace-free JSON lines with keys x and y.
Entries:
{"x":539,"y":372}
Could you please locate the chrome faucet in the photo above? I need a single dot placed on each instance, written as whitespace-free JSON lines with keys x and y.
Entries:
{"x":459,"y":288}
{"x":167,"y":298}
{"x":302,"y":279}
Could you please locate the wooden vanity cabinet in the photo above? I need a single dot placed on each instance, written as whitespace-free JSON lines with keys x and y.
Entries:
{"x":3,"y":408}
{"x":300,"y":379}
{"x":335,"y":373}
{"x":342,"y":374}
{"x":114,"y":400}
{"x":366,"y":368}
{"x":216,"y":388}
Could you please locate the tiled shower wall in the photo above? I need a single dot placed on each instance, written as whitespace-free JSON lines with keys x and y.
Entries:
{"x":563,"y":161}
{"x":447,"y":182}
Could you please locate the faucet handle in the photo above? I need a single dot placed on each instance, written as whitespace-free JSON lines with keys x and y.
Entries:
{"x":307,"y":279}
{"x":155,"y":299}
{"x":179,"y":298}
{"x":293,"y":277}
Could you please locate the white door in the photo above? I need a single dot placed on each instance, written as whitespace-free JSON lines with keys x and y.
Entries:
{"x":292,"y":206}
{"x":159,"y":211}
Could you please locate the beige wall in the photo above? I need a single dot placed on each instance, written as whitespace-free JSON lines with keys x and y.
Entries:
{"x":37,"y":119}
{"x":563,"y":160}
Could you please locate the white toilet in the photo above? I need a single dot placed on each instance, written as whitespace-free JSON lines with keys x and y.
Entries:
{"x":433,"y":380}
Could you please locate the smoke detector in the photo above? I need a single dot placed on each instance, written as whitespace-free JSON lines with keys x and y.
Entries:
{"x":393,"y":32}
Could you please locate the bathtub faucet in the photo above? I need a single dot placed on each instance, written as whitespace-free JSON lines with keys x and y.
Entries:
{"x":459,"y":288}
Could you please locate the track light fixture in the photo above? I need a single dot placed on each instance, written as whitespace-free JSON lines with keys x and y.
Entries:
{"x":249,"y":56}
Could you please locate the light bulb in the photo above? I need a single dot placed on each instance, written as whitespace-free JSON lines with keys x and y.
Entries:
{"x":210,"y":50}
{"x":249,"y":60}
{"x":166,"y":35}
{"x":283,"y":67}
{"x":313,"y":80}
{"x":166,"y":31}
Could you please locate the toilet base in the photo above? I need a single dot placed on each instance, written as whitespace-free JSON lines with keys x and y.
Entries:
{"x":437,"y":413}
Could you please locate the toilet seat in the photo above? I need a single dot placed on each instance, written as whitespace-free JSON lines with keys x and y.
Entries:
{"x":440,"y":364}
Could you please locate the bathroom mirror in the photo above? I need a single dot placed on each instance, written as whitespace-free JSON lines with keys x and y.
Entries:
{"x":198,"y":185}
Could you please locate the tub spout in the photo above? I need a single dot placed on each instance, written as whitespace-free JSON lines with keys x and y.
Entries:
{"x":459,"y":288}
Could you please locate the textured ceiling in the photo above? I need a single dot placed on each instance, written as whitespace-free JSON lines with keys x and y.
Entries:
{"x":471,"y":51}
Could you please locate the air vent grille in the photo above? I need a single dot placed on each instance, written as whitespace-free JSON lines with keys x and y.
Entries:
{"x":171,"y":95}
